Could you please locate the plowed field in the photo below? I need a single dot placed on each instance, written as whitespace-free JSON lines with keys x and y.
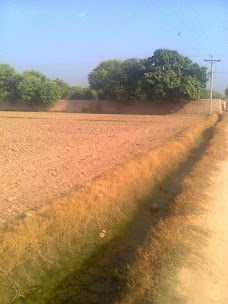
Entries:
{"x":44,"y":155}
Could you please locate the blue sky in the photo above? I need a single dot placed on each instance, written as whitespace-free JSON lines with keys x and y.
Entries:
{"x":67,"y":39}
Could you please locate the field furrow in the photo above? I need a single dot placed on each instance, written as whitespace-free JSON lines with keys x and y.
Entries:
{"x":44,"y":155}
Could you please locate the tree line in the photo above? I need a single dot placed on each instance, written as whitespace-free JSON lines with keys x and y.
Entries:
{"x":166,"y":75}
{"x":35,"y":88}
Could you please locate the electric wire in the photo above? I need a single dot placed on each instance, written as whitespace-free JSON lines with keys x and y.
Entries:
{"x":180,"y":26}
{"x":201,"y":26}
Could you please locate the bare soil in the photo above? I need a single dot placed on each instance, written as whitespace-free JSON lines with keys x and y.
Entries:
{"x":209,"y":283}
{"x":44,"y":155}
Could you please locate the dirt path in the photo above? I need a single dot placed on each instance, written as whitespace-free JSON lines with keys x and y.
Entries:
{"x":209,"y":285}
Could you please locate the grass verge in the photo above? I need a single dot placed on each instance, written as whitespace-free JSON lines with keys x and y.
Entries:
{"x":44,"y":248}
{"x":178,"y":238}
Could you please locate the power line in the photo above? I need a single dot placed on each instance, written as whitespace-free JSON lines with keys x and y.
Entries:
{"x":211,"y":78}
{"x":223,"y":4}
{"x":201,"y":26}
{"x":175,"y":12}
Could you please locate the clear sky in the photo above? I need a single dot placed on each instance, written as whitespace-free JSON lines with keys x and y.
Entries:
{"x":68,"y":38}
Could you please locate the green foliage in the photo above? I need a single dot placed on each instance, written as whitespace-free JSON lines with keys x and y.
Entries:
{"x":80,"y":93}
{"x":35,"y":88}
{"x":89,"y":94}
{"x":133,"y":70}
{"x":29,"y":89}
{"x":9,"y":80}
{"x":161,"y":83}
{"x":107,"y":79}
{"x":38,"y":90}
{"x":216,"y":95}
{"x":32,"y":86}
{"x":64,"y":87}
{"x":171,"y":75}
{"x":191,"y":88}
{"x":75,"y":92}
{"x":48,"y":92}
{"x":117,"y":79}
{"x":35,"y":73}
{"x":165,"y":75}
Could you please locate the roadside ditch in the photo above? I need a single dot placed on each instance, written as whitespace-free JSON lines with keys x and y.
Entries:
{"x":53,"y":260}
{"x":104,"y":276}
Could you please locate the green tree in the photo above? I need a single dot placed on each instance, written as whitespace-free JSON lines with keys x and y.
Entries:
{"x":133,"y":70}
{"x":191,"y":88}
{"x":165,"y":75}
{"x":29,"y":89}
{"x":80,"y":93}
{"x":49,"y":91}
{"x":76,"y":92}
{"x":162,"y":83}
{"x":108,"y":79}
{"x":30,"y":85}
{"x":35,"y":73}
{"x":217,"y":95}
{"x":118,"y":79}
{"x":173,"y":76}
{"x":89,"y":94}
{"x":65,"y":88}
{"x":35,"y":91}
{"x":9,"y":80}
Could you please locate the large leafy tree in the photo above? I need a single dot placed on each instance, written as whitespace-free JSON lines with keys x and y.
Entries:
{"x":32,"y":86}
{"x":107,"y":79}
{"x":118,"y":79}
{"x":173,"y":76}
{"x":82,"y":93}
{"x":64,"y":87}
{"x":9,"y":80}
{"x":191,"y":88}
{"x":133,"y":71}
{"x":165,"y":75}
{"x":36,"y":88}
{"x":29,"y":89}
{"x":48,"y":92}
{"x":35,"y":73}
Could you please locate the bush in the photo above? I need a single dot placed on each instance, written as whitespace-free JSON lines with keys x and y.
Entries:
{"x":216,"y":95}
{"x":29,"y":89}
{"x":37,"y":90}
{"x":48,"y":92}
{"x":77,"y":92}
{"x":9,"y":80}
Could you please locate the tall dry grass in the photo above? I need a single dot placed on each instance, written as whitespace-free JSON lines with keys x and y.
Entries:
{"x":46,"y":246}
{"x":177,"y":240}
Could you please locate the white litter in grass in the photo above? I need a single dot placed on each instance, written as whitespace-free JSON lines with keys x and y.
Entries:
{"x":102,"y":234}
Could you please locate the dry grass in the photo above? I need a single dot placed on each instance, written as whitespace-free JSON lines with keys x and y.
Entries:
{"x":177,"y":240}
{"x":45,"y":246}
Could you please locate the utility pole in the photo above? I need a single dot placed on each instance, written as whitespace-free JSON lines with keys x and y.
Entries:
{"x":211,"y":78}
